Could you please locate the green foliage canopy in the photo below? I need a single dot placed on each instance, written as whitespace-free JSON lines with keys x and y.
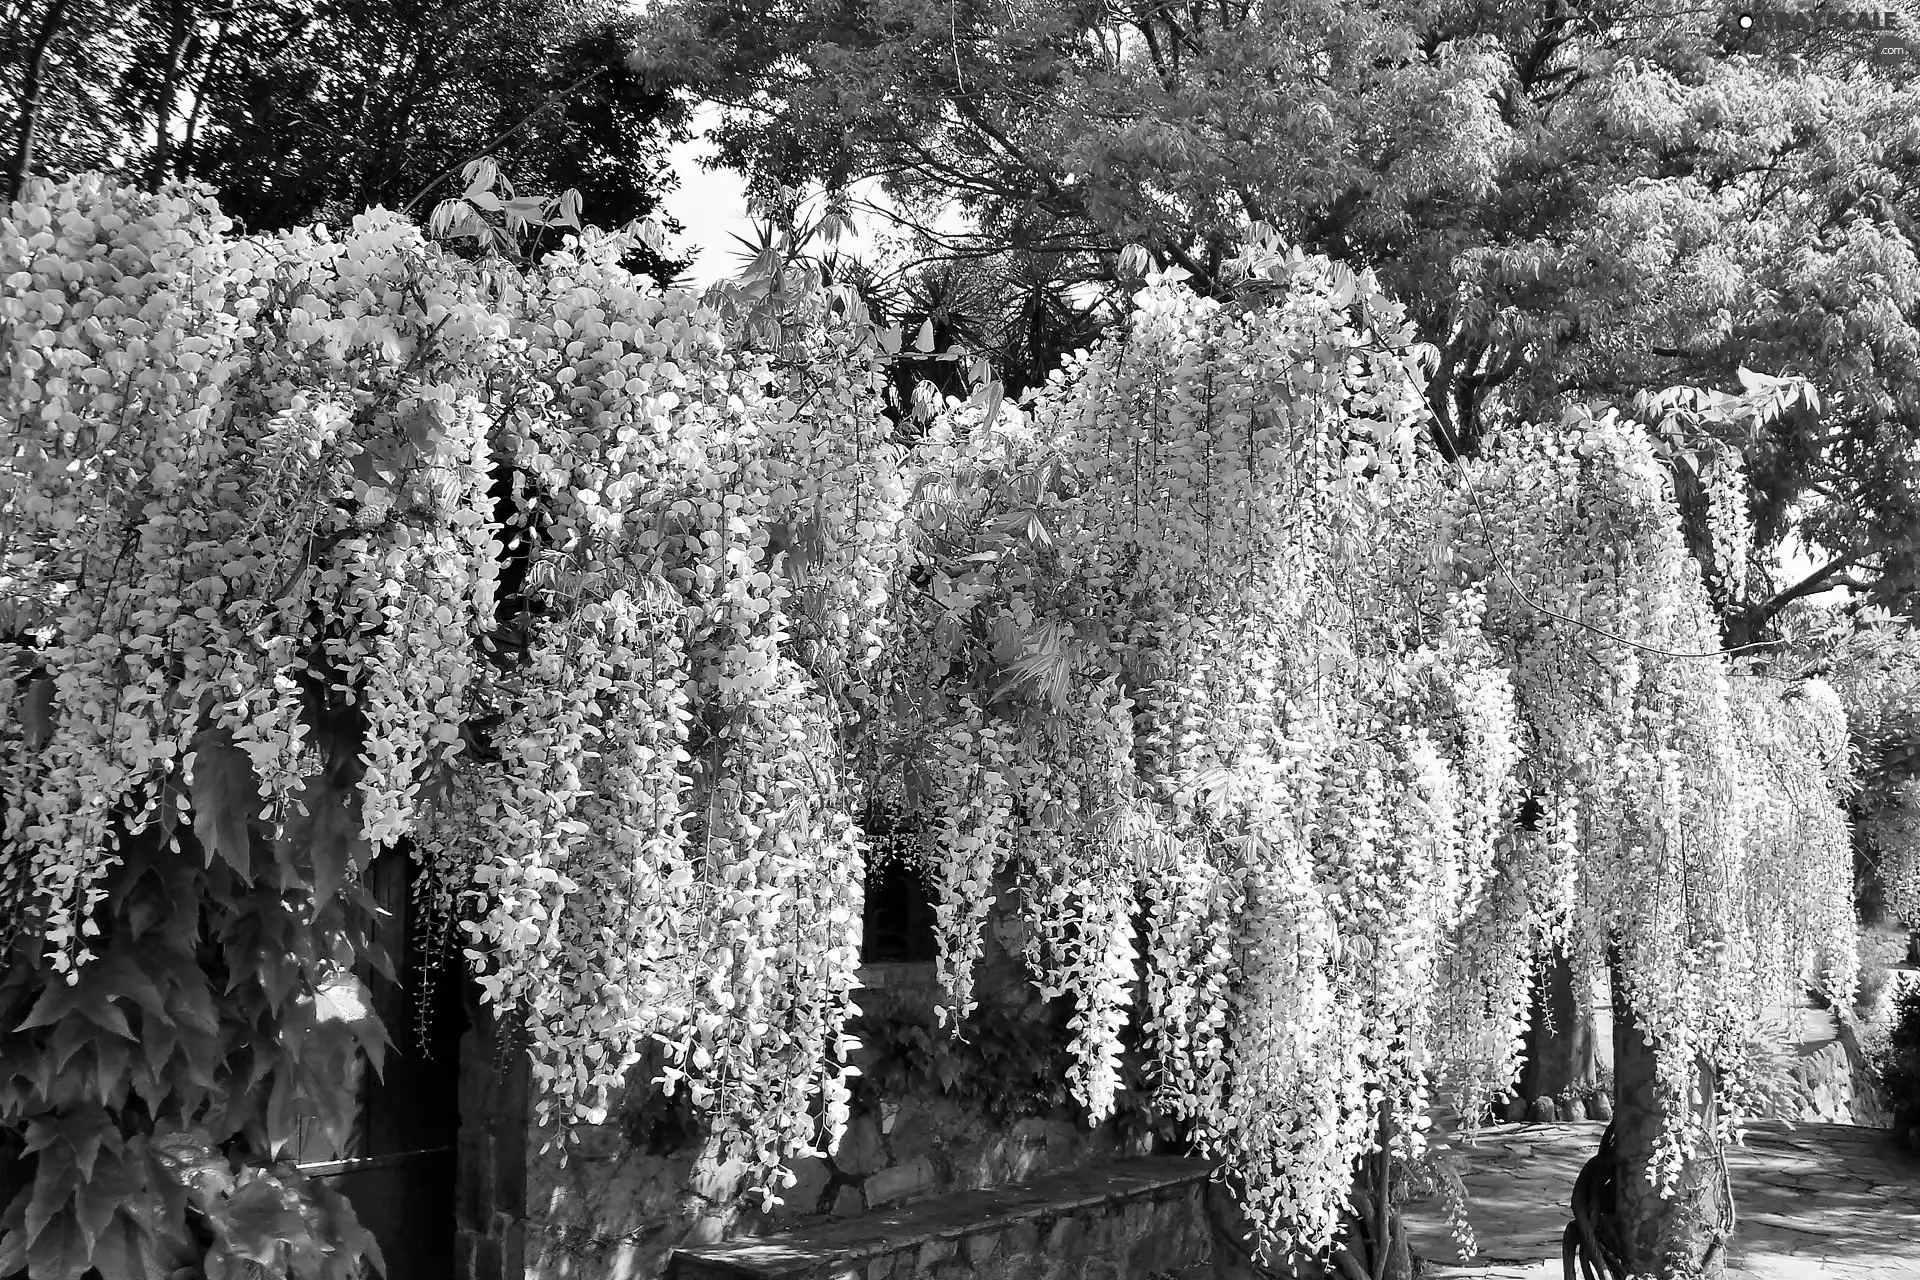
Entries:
{"x":304,"y":110}
{"x":1574,"y":200}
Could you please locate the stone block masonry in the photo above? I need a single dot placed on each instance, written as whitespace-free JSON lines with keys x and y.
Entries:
{"x":1118,"y":1222}
{"x":632,"y":1192}
{"x":648,"y":1183}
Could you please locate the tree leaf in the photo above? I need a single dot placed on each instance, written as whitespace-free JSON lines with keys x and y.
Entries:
{"x":481,"y":173}
{"x":259,"y":1218}
{"x":58,"y":1252}
{"x":451,"y":218}
{"x":923,"y":341}
{"x":225,"y":797}
{"x":995,"y":394}
{"x":36,"y":712}
{"x":121,"y":1251}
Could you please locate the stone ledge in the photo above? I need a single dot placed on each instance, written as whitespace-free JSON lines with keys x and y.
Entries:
{"x":835,"y":1248}
{"x":898,"y":975}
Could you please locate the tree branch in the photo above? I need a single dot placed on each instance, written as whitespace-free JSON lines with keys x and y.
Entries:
{"x":1812,"y":584}
{"x":488,"y":149}
{"x":30,"y":93}
{"x":972,"y":115}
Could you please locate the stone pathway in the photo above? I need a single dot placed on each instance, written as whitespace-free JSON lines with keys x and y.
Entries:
{"x":1819,"y":1202}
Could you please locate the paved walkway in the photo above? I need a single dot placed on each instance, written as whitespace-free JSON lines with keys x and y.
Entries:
{"x":1819,"y":1202}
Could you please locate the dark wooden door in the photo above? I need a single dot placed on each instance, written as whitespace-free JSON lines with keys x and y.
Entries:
{"x":399,"y":1168}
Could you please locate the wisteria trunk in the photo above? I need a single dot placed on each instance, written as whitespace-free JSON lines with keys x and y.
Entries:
{"x":1630,"y":1228}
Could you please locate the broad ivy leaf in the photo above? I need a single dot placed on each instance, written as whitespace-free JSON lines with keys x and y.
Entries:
{"x":343,"y":1000}
{"x":112,"y":1058}
{"x":335,"y":842}
{"x":56,"y":999}
{"x":121,"y":1251}
{"x":283,"y":1111}
{"x":193,"y":1165}
{"x":223,"y":1265}
{"x":58,"y":1252}
{"x":225,"y":796}
{"x":343,"y":1225}
{"x":36,"y":712}
{"x":96,"y":1200}
{"x":261,"y":1215}
{"x":53,"y":1181}
{"x":82,"y":1131}
{"x":120,"y":973}
{"x":161,"y":1212}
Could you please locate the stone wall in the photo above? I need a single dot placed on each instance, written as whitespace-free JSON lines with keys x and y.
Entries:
{"x":641,"y":1185}
{"x":1119,"y":1240}
{"x":1126,"y":1222}
{"x":1831,"y":1085}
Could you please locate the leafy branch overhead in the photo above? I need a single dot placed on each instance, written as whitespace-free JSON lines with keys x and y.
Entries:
{"x":1574,"y":201}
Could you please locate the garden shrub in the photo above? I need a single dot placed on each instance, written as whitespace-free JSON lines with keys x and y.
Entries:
{"x":1898,"y":1066}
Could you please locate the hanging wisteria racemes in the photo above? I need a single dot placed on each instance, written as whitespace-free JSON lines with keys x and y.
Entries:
{"x":1692,"y":849}
{"x":260,"y":483}
{"x":1207,"y":633}
{"x":1192,"y":647}
{"x":625,"y":619}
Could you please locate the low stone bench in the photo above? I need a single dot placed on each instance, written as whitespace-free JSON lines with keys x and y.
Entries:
{"x":1121,"y":1221}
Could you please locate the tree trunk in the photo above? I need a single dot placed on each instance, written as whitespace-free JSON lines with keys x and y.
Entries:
{"x":1684,"y":1234}
{"x":166,"y":94}
{"x":1561,"y":1060}
{"x":32,"y":90}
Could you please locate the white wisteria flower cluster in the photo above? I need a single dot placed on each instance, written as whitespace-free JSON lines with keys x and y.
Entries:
{"x":1693,"y":846}
{"x":252,"y":483}
{"x":627,"y":613}
{"x":1245,"y":690}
